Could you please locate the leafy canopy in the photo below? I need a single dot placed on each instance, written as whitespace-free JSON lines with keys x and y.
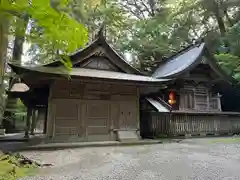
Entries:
{"x":53,"y":30}
{"x":158,"y":28}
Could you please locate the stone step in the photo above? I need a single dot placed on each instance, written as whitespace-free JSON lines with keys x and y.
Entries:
{"x":127,"y":136}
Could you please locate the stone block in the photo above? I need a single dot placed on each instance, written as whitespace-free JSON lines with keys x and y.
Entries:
{"x":2,"y":131}
{"x":202,"y":134}
{"x":127,"y":135}
{"x":188,"y":135}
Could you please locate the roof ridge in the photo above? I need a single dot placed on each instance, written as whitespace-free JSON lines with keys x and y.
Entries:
{"x":101,"y":40}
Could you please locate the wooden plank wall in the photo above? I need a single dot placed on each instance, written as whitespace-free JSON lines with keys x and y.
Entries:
{"x":155,"y":124}
{"x":198,"y":98}
{"x":83,"y":90}
{"x":206,"y":124}
{"x":80,"y":93}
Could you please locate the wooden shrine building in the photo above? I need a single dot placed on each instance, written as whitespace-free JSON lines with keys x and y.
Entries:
{"x":103,"y":97}
{"x":98,"y":99}
{"x":196,"y":82}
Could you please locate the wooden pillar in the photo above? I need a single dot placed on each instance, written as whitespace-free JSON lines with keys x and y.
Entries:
{"x":45,"y":120}
{"x":33,"y":124}
{"x":208,"y":100}
{"x":138,"y":109}
{"x":28,"y":122}
{"x":182,"y":100}
{"x":219,"y":101}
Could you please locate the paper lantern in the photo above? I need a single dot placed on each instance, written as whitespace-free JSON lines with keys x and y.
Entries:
{"x":19,"y":87}
{"x":171,"y":100}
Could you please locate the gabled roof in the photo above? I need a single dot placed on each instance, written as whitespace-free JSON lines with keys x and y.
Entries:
{"x":186,"y":60}
{"x":101,"y":44}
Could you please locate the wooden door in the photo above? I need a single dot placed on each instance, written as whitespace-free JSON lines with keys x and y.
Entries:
{"x":128,"y":115}
{"x":122,"y":115}
{"x":66,"y":117}
{"x":97,"y":120}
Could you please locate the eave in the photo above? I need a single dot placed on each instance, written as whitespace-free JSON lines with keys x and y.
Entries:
{"x":83,"y":73}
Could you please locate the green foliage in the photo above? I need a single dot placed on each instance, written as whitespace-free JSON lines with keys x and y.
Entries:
{"x":230,"y":59}
{"x":57,"y":27}
{"x":48,"y":27}
{"x":20,"y":107}
{"x":94,"y":13}
{"x":233,"y":38}
{"x":15,"y":106}
{"x":149,"y":30}
{"x":53,"y":30}
{"x":160,"y":28}
{"x":218,"y":22}
{"x":230,"y":63}
{"x":11,"y":169}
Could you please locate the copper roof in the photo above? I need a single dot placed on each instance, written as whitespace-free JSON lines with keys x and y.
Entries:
{"x":178,"y":63}
{"x":187,"y":59}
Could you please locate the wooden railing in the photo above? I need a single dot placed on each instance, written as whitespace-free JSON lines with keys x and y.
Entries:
{"x":155,"y":124}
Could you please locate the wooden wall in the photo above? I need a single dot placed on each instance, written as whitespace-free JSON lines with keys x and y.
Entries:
{"x":154,"y":124}
{"x":198,"y":97}
{"x":75,"y":105}
{"x":74,"y":89}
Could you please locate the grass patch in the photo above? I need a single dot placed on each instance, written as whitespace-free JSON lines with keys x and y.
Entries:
{"x":14,"y":166}
{"x":226,"y":140}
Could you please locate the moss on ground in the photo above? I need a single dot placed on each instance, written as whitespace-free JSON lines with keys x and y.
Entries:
{"x":14,"y":166}
{"x":226,"y":140}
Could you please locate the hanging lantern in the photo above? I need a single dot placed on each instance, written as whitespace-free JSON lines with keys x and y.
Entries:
{"x":171,"y":99}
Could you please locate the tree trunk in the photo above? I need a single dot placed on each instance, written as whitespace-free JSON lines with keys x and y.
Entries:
{"x":16,"y":58}
{"x":221,"y":24}
{"x":231,"y":23}
{"x":220,"y":21}
{"x":3,"y":52}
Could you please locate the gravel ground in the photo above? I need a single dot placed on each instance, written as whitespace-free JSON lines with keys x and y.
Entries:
{"x":192,"y":159}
